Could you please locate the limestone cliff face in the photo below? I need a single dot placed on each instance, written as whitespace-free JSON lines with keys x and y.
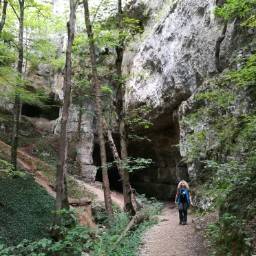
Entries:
{"x":179,"y":52}
{"x":165,"y":65}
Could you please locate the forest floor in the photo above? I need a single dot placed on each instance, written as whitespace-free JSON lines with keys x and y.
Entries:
{"x":168,"y":238}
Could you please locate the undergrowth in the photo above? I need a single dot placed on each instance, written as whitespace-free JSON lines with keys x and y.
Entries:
{"x":25,"y":209}
{"x":97,"y":242}
{"x":221,"y":147}
{"x":130,"y":243}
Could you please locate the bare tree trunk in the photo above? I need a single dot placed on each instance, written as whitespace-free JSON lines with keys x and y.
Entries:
{"x":121,"y":114}
{"x":112,"y":146}
{"x":3,"y":18}
{"x":61,"y":187}
{"x":99,"y":114}
{"x":17,"y":102}
{"x":118,"y":161}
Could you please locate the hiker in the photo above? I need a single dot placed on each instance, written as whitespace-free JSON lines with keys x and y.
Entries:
{"x":183,"y":201}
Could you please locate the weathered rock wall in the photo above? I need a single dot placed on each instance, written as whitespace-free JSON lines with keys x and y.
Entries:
{"x":165,"y":65}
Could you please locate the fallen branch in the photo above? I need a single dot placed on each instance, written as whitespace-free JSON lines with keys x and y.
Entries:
{"x":79,"y":202}
{"x":136,"y":220}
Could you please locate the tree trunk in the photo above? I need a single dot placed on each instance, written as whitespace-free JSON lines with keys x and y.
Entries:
{"x":99,"y":114}
{"x":3,"y":18}
{"x":112,"y":146}
{"x":17,"y":102}
{"x":118,"y":161}
{"x":61,"y":188}
{"x":128,"y":206}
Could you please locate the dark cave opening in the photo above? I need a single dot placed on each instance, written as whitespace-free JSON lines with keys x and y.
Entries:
{"x":50,"y":109}
{"x":114,"y":177}
{"x":160,"y":179}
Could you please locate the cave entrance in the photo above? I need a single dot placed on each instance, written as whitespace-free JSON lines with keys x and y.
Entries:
{"x":113,"y":174}
{"x":160,"y":179}
{"x":50,"y":110}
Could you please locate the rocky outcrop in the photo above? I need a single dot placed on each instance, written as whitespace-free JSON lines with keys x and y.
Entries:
{"x":175,"y":58}
{"x":167,"y":63}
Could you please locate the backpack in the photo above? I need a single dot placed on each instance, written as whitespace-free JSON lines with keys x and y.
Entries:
{"x":183,"y":196}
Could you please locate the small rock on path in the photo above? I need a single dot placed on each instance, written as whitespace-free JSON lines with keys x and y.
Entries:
{"x":168,"y":238}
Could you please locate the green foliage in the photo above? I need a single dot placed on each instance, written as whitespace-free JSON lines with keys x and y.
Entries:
{"x":243,"y":9}
{"x":38,"y":49}
{"x":6,"y":170}
{"x":5,"y":166}
{"x":134,"y":164}
{"x":42,"y":51}
{"x":25,"y":210}
{"x":129,"y":245}
{"x":7,"y":56}
{"x":74,"y":240}
{"x":221,"y":97}
{"x":106,"y":89}
{"x":246,"y":76}
{"x":221,"y":142}
{"x":228,"y":236}
{"x":139,"y":118}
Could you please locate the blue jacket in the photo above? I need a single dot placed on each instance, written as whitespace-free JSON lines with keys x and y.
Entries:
{"x":187,"y":196}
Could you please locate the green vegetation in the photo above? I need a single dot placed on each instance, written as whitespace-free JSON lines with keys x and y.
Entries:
{"x":220,"y":143}
{"x":105,"y":246}
{"x":223,"y":145}
{"x":77,"y":239}
{"x":26,"y":210}
{"x":242,"y":9}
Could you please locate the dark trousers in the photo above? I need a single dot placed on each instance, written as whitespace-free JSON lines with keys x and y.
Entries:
{"x":183,"y":212}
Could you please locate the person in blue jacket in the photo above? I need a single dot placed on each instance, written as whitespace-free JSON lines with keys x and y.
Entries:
{"x":183,"y":201}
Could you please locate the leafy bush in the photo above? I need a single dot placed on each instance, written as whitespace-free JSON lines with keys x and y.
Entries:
{"x":75,"y":241}
{"x":228,"y":236}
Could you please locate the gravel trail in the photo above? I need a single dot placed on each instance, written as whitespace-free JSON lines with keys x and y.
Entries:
{"x":168,"y":238}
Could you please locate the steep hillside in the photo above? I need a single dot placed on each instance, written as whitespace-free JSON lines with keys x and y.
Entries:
{"x":26,"y":210}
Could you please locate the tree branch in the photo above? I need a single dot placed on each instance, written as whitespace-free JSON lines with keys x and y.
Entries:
{"x":15,"y":12}
{"x":98,"y":8}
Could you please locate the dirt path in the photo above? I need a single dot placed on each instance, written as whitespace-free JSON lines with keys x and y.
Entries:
{"x":168,"y":238}
{"x":117,"y":198}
